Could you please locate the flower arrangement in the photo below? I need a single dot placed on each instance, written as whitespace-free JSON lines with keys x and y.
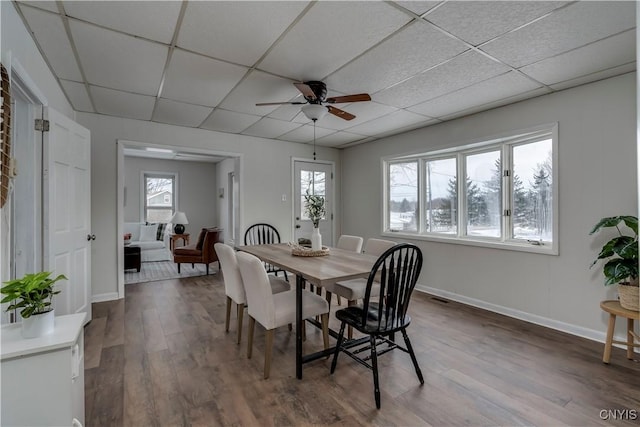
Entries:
{"x":314,"y":208}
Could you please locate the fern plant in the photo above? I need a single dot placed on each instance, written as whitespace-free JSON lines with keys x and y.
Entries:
{"x":621,"y":252}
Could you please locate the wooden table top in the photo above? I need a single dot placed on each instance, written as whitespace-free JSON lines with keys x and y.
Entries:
{"x":614,"y":307}
{"x":338,"y":265}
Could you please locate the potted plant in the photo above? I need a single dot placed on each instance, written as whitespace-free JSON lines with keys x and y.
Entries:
{"x":315,"y":210}
{"x":621,"y":254}
{"x":32,"y":295}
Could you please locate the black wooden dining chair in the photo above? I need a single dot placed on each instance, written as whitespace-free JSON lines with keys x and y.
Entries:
{"x":383,"y":312}
{"x":264,"y":234}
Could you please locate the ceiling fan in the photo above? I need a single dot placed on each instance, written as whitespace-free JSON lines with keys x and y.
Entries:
{"x":315,"y":95}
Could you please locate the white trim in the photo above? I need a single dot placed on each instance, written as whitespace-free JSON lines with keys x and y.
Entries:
{"x":25,"y":82}
{"x":578,"y":331}
{"x":109,"y":296}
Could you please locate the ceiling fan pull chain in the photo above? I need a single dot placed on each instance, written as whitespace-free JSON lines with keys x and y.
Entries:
{"x":314,"y":139}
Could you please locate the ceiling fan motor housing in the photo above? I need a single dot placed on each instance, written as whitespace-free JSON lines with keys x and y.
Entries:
{"x":319,"y":89}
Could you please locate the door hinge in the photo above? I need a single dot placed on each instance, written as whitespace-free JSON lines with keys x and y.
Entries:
{"x":42,"y":125}
{"x":506,"y":212}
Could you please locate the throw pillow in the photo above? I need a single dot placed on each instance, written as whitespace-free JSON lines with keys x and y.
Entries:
{"x":148,"y":233}
{"x":161,"y":229}
{"x":200,"y":244}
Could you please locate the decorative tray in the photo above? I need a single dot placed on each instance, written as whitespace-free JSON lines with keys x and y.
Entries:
{"x":298,"y":250}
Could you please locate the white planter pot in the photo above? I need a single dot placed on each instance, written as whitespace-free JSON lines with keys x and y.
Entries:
{"x":38,"y":324}
{"x":316,"y":240}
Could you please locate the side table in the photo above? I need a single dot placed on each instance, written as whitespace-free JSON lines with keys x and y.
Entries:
{"x":132,"y":258}
{"x":615,"y":309}
{"x":175,"y":237}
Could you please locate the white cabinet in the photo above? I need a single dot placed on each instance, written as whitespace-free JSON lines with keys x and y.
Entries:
{"x":43,"y":378}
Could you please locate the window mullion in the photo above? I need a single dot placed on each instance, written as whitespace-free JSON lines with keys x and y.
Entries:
{"x":507,"y":166}
{"x":462,"y":196}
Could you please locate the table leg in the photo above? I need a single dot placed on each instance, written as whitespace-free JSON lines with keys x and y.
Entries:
{"x":629,"y":339}
{"x":299,"y":285}
{"x":607,"y":346}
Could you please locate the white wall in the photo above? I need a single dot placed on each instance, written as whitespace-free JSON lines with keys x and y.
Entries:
{"x":196,"y":190}
{"x":597,"y":178}
{"x":265,"y":176}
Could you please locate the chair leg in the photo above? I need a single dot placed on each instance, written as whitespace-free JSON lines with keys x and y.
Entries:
{"x":337,"y":350}
{"x":252,"y":325}
{"x":325,"y":329}
{"x":327,"y":296}
{"x":413,"y":356}
{"x":240,"y":315}
{"x":374,"y":366}
{"x":285,"y":276}
{"x":193,"y":265}
{"x":228,"y":317}
{"x":268,"y":350}
{"x":350,"y":329}
{"x":178,"y":268}
{"x":207,"y":269}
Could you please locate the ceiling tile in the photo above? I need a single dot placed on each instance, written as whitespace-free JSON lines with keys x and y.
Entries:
{"x":270,"y":128}
{"x":260,"y":87}
{"x":286,"y":112}
{"x":122,"y":104}
{"x":49,"y":5}
{"x":601,"y":55}
{"x":417,"y":47}
{"x":155,"y":20}
{"x":118,"y":61}
{"x":50,"y":34}
{"x":574,"y":26}
{"x":364,"y":112}
{"x":418,"y":7}
{"x":605,"y":74}
{"x":479,"y":21}
{"x":229,"y":121}
{"x":199,"y":80}
{"x":179,"y":113}
{"x":339,"y":138}
{"x":248,"y":28}
{"x":329,"y":35}
{"x":397,"y":120}
{"x":464,"y":70}
{"x":78,"y":95}
{"x":304,"y":134}
{"x":490,"y":90}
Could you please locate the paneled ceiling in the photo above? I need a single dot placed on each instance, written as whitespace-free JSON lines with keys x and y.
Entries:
{"x":205,"y":64}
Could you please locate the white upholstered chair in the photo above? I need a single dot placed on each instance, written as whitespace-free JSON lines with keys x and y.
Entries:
{"x":275,"y":310}
{"x":234,"y":287}
{"x":348,"y":243}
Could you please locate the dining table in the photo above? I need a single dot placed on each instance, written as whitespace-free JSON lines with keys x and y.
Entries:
{"x":336,"y":265}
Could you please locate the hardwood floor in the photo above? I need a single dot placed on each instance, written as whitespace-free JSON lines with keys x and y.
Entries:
{"x":161,"y":357}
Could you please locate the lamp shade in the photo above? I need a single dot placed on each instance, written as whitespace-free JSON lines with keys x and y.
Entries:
{"x":179,"y":218}
{"x":314,"y":111}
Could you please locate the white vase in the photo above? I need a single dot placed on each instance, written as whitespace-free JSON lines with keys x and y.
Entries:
{"x":316,"y":239}
{"x":37,"y":325}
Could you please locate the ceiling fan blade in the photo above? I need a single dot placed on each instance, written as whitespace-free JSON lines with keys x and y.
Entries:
{"x":280,"y":103}
{"x":305,"y":90}
{"x":349,"y":98}
{"x":340,"y":113}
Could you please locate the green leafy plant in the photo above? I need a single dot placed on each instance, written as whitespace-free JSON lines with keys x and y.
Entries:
{"x":621,"y":252}
{"x":32,"y":293}
{"x":314,"y":207}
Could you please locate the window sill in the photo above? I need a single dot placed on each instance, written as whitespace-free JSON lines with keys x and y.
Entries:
{"x":546,"y":249}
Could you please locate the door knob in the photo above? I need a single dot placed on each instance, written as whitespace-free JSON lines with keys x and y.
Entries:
{"x":91,"y":237}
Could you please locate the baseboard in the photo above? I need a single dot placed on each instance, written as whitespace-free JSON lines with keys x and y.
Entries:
{"x":110,"y":296}
{"x":579,"y":331}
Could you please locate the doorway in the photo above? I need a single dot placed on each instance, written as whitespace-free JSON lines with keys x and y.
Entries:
{"x":313,"y":178}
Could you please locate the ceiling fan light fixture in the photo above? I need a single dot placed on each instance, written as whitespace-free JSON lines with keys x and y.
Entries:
{"x":314,"y":111}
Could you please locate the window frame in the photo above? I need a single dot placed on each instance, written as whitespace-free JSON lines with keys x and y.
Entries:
{"x":143,"y":192}
{"x":504,"y":143}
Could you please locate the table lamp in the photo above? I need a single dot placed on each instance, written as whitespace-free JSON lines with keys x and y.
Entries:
{"x":179,"y":219}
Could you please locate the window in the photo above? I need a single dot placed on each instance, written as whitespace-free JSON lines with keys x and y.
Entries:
{"x":506,"y":199}
{"x":312,"y":183}
{"x":160,"y":197}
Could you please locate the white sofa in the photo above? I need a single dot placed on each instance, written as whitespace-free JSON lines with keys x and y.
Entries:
{"x":146,"y":237}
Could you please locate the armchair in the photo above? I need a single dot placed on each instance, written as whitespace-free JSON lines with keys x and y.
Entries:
{"x":201,"y":252}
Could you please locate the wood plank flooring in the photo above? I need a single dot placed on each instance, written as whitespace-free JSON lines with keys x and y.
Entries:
{"x":161,"y":357}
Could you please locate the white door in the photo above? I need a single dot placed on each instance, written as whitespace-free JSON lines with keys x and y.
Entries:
{"x":67,"y":211}
{"x":317,"y":179}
